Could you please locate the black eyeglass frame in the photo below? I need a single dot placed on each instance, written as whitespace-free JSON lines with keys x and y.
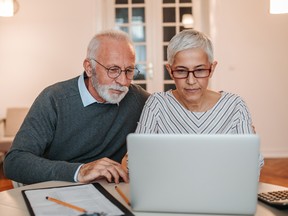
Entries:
{"x":192,"y":71}
{"x":135,"y":69}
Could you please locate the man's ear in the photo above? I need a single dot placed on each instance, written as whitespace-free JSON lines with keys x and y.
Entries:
{"x":169,"y":71}
{"x":88,"y":67}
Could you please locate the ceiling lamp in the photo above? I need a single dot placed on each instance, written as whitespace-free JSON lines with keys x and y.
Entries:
{"x":278,"y":6}
{"x":8,"y":8}
{"x":187,"y":20}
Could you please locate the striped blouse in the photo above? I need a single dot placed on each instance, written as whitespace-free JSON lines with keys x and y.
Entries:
{"x":163,"y":113}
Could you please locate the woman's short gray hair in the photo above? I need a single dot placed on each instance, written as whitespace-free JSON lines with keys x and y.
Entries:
{"x":188,"y":39}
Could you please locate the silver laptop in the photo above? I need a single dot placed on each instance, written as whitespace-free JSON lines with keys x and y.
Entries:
{"x":187,"y":173}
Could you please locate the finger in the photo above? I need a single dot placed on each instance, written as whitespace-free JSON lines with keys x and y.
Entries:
{"x":120,"y":173}
{"x":103,"y":168}
{"x":108,"y":161}
{"x":117,"y":170}
{"x":125,"y":176}
{"x":91,"y":171}
{"x":113,"y":172}
{"x":96,"y":174}
{"x":107,"y":175}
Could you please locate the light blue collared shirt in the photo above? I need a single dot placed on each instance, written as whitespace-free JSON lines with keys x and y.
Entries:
{"x":85,"y":95}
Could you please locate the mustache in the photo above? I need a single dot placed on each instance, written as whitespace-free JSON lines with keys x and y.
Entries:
{"x":118,"y":87}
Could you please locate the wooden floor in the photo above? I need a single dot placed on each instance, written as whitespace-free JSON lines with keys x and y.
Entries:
{"x":275,"y":171}
{"x":5,"y":184}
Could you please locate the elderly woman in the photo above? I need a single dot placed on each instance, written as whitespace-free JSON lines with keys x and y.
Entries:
{"x":192,"y":107}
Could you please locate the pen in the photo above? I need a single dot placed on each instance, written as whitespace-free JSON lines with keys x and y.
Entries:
{"x":66,"y":204}
{"x":122,"y":195}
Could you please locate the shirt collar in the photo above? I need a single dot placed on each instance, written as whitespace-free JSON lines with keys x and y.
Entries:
{"x":85,"y":95}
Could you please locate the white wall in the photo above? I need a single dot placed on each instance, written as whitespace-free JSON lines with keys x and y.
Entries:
{"x":46,"y":42}
{"x":251,"y":47}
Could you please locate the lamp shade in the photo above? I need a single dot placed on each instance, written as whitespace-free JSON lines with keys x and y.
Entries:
{"x":278,"y":6}
{"x":6,"y":8}
{"x":187,"y":20}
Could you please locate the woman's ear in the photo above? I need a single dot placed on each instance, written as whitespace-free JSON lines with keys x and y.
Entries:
{"x":168,"y":67}
{"x":88,"y":67}
{"x":213,"y":66}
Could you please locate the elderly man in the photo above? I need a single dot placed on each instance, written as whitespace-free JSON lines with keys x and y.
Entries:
{"x":76,"y":130}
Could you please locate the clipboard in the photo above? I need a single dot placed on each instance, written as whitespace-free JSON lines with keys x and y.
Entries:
{"x":33,"y":212}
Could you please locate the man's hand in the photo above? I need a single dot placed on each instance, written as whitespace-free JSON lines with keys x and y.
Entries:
{"x":102,"y":168}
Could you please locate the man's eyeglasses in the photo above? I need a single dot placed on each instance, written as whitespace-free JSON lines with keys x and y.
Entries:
{"x":115,"y":71}
{"x":184,"y":73}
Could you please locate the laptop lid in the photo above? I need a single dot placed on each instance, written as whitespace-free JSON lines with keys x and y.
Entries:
{"x":188,"y":173}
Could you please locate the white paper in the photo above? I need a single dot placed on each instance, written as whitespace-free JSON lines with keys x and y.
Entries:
{"x":84,"y":196}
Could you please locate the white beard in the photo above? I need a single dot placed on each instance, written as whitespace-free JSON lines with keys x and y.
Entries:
{"x":103,"y":90}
